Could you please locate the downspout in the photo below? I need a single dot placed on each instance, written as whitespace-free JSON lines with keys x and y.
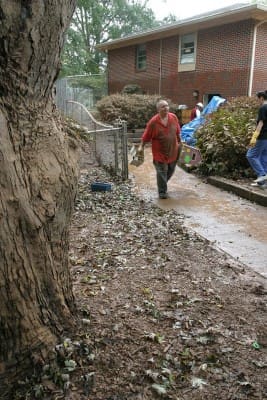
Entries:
{"x":252,"y":64}
{"x":107,"y":75}
{"x":160,"y":65}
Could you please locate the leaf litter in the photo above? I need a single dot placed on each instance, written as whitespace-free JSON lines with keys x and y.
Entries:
{"x":161,"y":313}
{"x":186,"y":314}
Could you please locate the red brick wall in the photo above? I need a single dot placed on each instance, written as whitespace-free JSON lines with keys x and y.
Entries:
{"x":223,"y":61}
{"x":122,"y":71}
{"x":260,"y":66}
{"x":222,"y":65}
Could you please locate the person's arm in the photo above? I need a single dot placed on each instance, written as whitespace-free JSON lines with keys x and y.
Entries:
{"x":178,"y":129}
{"x":259,"y":126}
{"x":141,"y":146}
{"x":256,"y":133}
{"x":147,"y":136}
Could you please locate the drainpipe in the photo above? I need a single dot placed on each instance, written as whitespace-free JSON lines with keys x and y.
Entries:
{"x":252,"y":64}
{"x":160,"y":65}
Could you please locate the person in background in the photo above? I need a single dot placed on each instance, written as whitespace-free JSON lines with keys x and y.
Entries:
{"x":197,"y":110}
{"x":163,"y":130}
{"x":257,"y":153}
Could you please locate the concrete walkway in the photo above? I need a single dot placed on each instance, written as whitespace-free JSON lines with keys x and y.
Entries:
{"x":233,"y":224}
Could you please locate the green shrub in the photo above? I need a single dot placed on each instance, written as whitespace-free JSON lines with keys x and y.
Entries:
{"x":132,"y":89}
{"x":136,"y":109}
{"x":223,"y":140}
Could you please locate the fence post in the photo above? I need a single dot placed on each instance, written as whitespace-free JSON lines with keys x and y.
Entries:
{"x":95,"y":144}
{"x":116,"y":149}
{"x":125,"y":172}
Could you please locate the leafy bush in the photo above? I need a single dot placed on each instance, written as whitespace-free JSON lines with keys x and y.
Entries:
{"x":132,"y":89}
{"x":223,"y":140}
{"x":136,"y":109}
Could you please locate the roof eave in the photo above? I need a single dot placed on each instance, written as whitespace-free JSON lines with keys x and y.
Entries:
{"x":204,"y":21}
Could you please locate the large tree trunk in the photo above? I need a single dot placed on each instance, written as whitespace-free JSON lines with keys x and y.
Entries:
{"x":38,"y":176}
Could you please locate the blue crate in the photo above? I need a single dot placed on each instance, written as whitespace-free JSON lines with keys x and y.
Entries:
{"x":100,"y":187}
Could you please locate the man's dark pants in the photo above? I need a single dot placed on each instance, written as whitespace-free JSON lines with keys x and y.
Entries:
{"x":164,"y":173}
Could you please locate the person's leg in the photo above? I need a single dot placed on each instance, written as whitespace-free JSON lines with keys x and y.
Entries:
{"x":254,"y":155}
{"x":171,"y":169}
{"x":161,"y":169}
{"x":264,"y":156}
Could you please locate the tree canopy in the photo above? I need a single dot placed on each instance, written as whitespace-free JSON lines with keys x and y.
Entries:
{"x":95,"y":22}
{"x":263,"y":2}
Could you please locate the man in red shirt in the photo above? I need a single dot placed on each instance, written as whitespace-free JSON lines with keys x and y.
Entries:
{"x":163,"y":130}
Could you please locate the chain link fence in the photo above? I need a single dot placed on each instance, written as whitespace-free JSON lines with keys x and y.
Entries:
{"x":109,"y":142}
{"x":85,"y":89}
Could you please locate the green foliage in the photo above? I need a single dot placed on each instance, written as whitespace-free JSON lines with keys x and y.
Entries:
{"x":75,"y":56}
{"x":132,"y":89}
{"x":263,"y":2}
{"x":96,"y":82}
{"x":223,"y":140}
{"x":170,"y":19}
{"x":136,"y":109}
{"x":95,"y":22}
{"x":91,"y":81}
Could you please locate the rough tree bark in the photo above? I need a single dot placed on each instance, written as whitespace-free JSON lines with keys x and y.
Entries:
{"x":38,"y":177}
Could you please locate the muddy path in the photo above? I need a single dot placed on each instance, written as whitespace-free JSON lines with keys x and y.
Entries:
{"x":233,"y":224}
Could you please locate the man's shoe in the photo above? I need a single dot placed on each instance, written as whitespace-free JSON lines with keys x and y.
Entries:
{"x":258,"y":184}
{"x":261,"y":179}
{"x":163,"y":196}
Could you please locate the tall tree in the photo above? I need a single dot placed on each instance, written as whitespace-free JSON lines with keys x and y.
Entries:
{"x":263,"y":2}
{"x":38,"y":176}
{"x":97,"y":21}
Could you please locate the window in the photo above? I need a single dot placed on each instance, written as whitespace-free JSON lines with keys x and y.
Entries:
{"x":141,"y":57}
{"x":207,"y":97}
{"x":187,"y":54}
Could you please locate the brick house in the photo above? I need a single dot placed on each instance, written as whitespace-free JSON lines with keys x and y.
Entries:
{"x":221,"y":52}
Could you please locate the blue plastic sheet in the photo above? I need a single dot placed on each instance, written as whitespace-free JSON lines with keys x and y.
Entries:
{"x":188,"y":130}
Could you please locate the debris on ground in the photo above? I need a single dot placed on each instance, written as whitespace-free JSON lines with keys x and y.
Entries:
{"x":161,"y":314}
{"x":169,"y":316}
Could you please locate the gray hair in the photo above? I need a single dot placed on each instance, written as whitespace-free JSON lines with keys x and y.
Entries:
{"x":159,"y":102}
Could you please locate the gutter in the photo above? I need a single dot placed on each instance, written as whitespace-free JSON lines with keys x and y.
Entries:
{"x":212,"y":18}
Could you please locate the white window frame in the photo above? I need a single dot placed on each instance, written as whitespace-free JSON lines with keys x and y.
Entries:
{"x":190,"y":64}
{"x":141,"y":58}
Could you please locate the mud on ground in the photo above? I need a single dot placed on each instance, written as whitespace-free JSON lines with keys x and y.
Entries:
{"x":164,"y":314}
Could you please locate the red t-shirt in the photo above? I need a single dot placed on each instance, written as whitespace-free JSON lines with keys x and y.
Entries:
{"x":195,"y":113}
{"x":164,"y":138}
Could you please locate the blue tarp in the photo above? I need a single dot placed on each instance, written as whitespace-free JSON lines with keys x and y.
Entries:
{"x":188,"y":130}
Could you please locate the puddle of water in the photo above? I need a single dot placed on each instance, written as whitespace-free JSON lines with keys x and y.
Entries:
{"x":235,"y":225}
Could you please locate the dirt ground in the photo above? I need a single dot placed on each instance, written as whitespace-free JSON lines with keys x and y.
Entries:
{"x":161,"y":314}
{"x":164,"y":314}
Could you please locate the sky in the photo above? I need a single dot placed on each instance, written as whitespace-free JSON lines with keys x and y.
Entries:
{"x":187,"y":8}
